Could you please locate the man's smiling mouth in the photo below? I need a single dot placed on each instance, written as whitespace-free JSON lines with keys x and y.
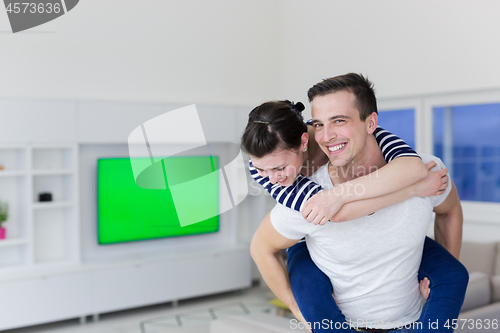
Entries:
{"x":336,"y":147}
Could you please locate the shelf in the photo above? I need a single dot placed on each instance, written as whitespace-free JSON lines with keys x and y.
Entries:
{"x":61,"y":186}
{"x":53,"y":172}
{"x":12,"y":173}
{"x":52,"y":158}
{"x":52,"y":204}
{"x":13,"y":158}
{"x":13,"y":242}
{"x":14,"y":191}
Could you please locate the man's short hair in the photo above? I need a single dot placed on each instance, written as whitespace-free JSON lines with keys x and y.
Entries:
{"x":361,"y":87}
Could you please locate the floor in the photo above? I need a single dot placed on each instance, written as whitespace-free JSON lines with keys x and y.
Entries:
{"x":190,"y":316}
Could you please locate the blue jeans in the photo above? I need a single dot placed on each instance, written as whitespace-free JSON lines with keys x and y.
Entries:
{"x":313,"y":291}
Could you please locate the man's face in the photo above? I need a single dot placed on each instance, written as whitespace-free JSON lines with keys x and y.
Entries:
{"x":281,"y":166}
{"x":338,"y":129}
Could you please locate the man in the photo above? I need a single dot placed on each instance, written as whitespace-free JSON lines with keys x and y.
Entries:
{"x":372,"y":261}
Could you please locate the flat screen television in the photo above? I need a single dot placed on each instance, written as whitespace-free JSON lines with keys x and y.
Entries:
{"x":127,"y":212}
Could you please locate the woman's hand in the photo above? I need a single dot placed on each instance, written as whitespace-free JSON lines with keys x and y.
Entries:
{"x":323,"y":206}
{"x":424,"y":288}
{"x":434,"y":183}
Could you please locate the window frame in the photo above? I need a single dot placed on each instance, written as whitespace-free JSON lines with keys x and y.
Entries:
{"x":475,"y":212}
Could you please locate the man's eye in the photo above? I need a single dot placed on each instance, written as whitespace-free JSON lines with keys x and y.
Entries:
{"x":317,"y":125}
{"x":281,"y":169}
{"x":339,"y":121}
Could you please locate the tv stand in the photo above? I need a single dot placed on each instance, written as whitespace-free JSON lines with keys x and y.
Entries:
{"x":91,"y":289}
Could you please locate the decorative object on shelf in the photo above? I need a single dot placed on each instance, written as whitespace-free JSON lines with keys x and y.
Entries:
{"x":45,"y":196}
{"x":1,"y":166}
{"x":4,"y":215}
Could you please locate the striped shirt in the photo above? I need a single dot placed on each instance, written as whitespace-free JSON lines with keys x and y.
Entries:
{"x":295,"y":195}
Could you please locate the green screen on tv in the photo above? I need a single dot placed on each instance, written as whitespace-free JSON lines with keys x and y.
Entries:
{"x":127,"y":212}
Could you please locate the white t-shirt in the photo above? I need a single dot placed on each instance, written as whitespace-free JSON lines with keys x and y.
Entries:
{"x":373,"y":261}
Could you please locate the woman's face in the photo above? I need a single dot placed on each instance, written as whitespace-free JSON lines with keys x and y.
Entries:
{"x":281,"y":166}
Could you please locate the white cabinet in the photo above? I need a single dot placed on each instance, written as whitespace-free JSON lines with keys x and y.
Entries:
{"x":172,"y":278}
{"x":44,"y":299}
{"x":88,"y":289}
{"x":134,"y":285}
{"x":217,"y":272}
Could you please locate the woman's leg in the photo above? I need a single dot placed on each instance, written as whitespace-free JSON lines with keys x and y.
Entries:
{"x":448,"y":281}
{"x":312,"y":290}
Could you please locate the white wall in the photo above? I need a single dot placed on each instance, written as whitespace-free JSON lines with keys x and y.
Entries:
{"x":405,"y":47}
{"x":186,"y":51}
{"x":245,"y":52}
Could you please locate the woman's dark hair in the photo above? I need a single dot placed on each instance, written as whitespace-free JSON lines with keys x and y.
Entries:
{"x":271,"y":125}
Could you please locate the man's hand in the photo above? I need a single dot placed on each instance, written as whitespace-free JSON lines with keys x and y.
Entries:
{"x":434,"y":183}
{"x":323,"y":206}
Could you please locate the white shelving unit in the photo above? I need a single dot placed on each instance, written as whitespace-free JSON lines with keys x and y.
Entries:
{"x":14,"y":179}
{"x":51,"y":266}
{"x":39,"y":233}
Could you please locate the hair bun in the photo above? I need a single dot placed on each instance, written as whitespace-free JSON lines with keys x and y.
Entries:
{"x":299,"y":107}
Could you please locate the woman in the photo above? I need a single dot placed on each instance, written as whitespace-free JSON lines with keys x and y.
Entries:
{"x":276,"y":135}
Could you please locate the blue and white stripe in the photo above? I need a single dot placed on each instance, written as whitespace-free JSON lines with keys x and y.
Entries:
{"x":392,"y":146}
{"x":296,"y":195}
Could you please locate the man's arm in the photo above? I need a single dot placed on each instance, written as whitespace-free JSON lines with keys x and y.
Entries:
{"x":396,"y":175}
{"x":448,"y":223}
{"x":265,"y":247}
{"x":433,"y":184}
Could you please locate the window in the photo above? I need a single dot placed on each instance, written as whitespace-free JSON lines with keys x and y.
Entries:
{"x":467,"y":139}
{"x":400,"y":123}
